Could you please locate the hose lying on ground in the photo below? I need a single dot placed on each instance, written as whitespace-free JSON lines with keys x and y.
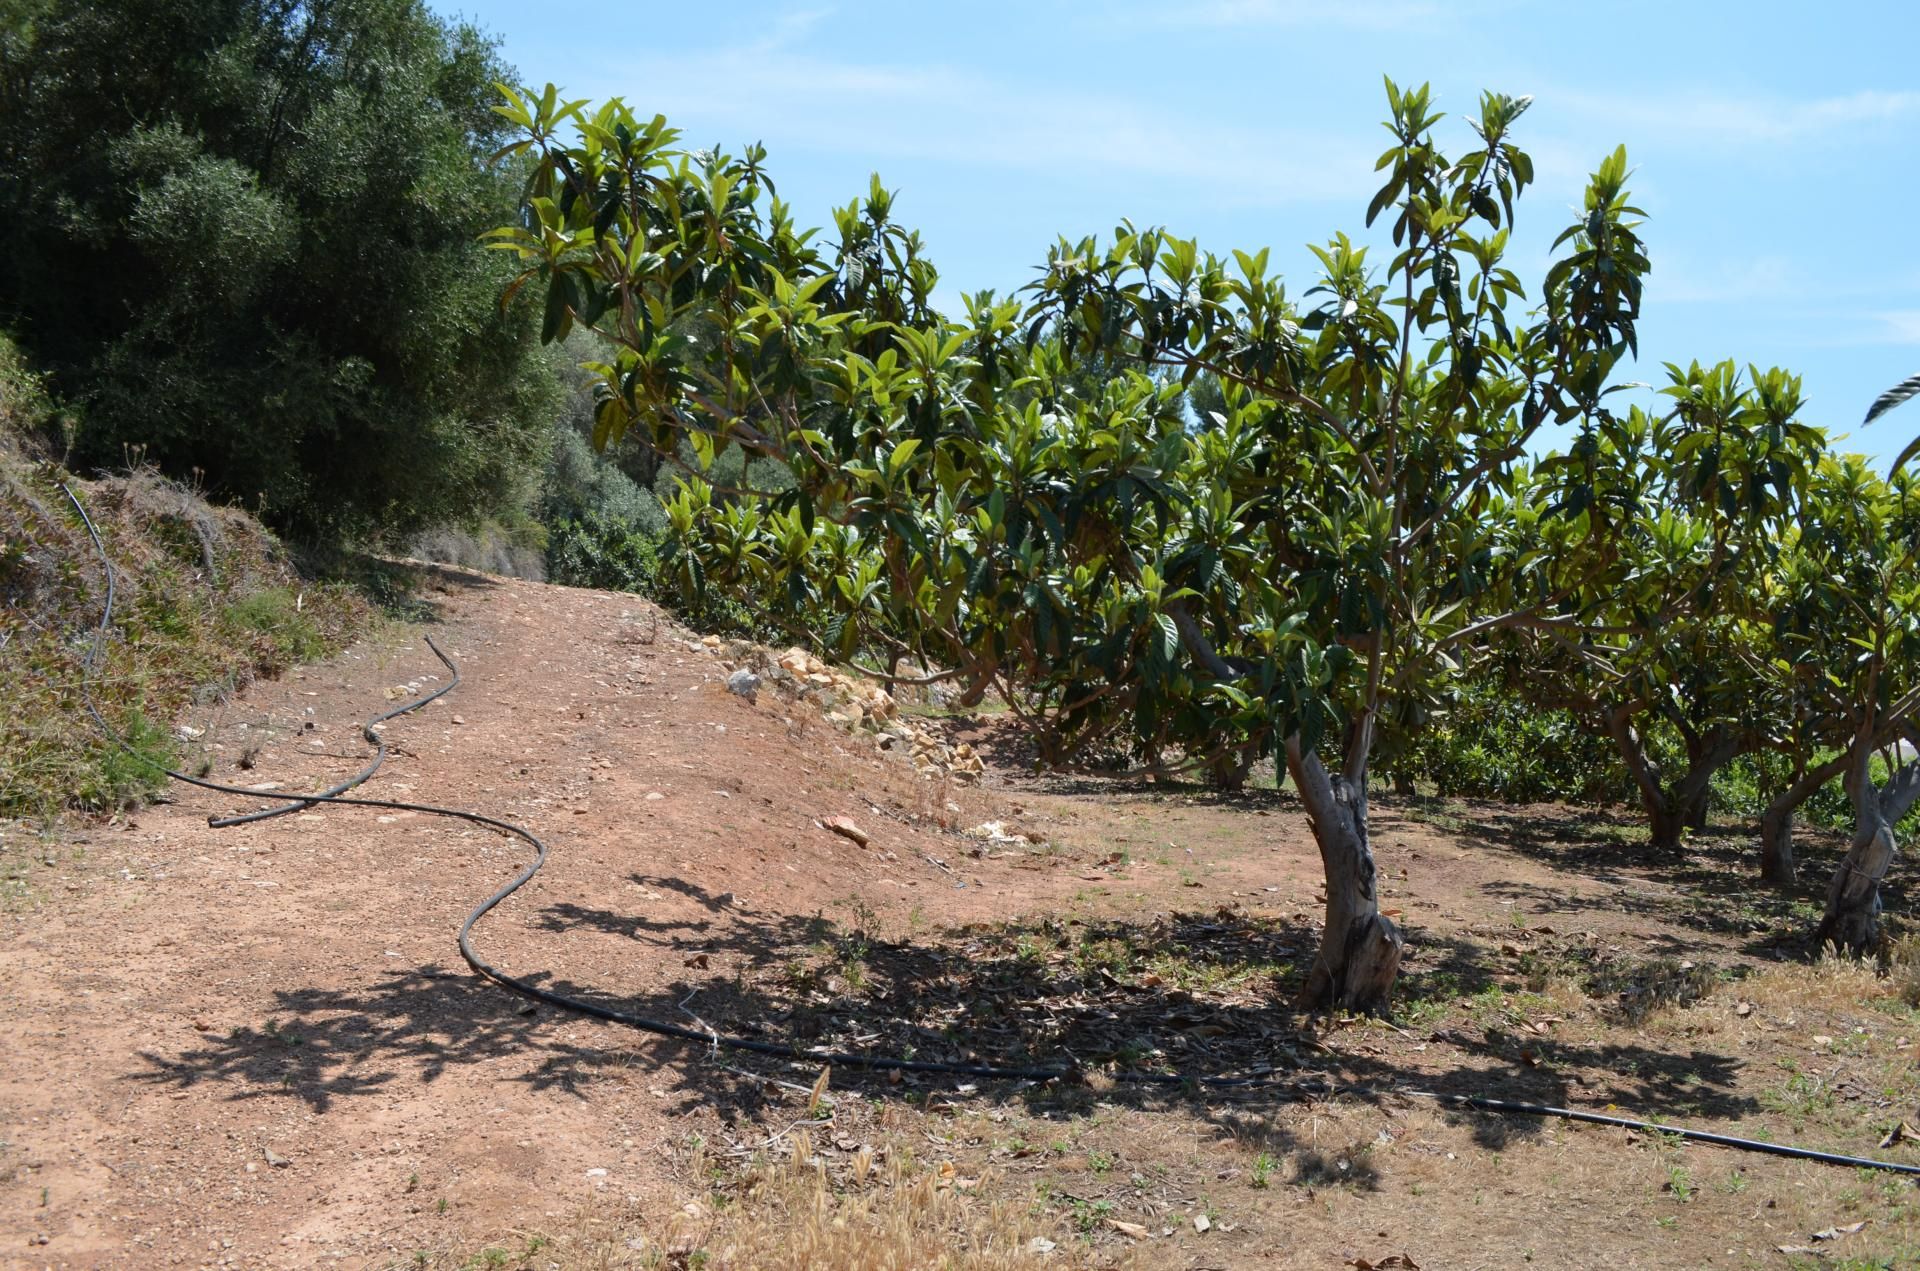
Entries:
{"x":719,"y":1041}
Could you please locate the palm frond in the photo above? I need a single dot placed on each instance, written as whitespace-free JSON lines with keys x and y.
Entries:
{"x":1887,"y":401}
{"x":1893,"y":397}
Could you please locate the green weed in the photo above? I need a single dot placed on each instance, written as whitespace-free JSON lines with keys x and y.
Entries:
{"x":280,"y":615}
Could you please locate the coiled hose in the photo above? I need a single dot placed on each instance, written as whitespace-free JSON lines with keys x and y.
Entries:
{"x":722,"y":1041}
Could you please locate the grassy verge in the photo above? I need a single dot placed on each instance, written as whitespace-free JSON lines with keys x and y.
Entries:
{"x":207,"y":601}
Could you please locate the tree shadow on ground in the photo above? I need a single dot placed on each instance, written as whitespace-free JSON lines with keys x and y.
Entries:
{"x":325,"y":1045}
{"x":1200,"y":1000}
{"x":1708,"y":886}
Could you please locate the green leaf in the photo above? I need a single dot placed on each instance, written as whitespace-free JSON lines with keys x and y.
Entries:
{"x":558,"y":320}
{"x":901,"y":455}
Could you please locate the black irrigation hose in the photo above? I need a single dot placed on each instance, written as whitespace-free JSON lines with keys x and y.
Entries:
{"x":718,"y":1041}
{"x":367,"y":730}
{"x":330,"y":794}
{"x":523,"y":987}
{"x":1504,"y":1106}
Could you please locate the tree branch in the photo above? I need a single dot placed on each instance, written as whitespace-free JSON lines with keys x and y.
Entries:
{"x":1201,"y":648}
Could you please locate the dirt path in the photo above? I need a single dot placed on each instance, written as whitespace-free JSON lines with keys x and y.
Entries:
{"x":258,"y":1047}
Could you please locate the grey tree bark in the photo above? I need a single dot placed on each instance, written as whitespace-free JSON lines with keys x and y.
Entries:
{"x":1360,"y":947}
{"x":1852,"y":919}
{"x":1672,"y":807}
{"x":1777,"y":863}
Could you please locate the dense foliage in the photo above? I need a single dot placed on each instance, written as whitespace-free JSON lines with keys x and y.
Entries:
{"x":1307,"y":565}
{"x":1166,"y":508}
{"x":1489,"y":742}
{"x":242,"y":241}
{"x":1297,"y":578}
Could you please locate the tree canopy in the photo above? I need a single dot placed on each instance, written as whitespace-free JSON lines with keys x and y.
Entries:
{"x":1024,"y":495}
{"x":244,"y":243}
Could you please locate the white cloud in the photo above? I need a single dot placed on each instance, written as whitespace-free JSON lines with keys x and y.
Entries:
{"x":1847,"y":312}
{"x":1899,"y":326}
{"x":1743,"y":120}
{"x":949,"y":115}
{"x":791,"y":28}
{"x":1680,"y":281}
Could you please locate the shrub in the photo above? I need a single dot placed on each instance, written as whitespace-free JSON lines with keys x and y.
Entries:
{"x":206,"y":601}
{"x":580,"y":483}
{"x":120,"y":779}
{"x":265,"y":265}
{"x":1491,"y":745}
{"x":27,"y":411}
{"x":611,"y":554}
{"x":280,"y":615}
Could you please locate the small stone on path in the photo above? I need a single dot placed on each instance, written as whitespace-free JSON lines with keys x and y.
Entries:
{"x":846,"y":829}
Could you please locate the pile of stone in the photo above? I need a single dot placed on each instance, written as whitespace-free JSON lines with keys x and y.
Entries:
{"x":851,"y":703}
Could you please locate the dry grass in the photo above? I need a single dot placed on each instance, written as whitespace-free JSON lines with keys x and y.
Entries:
{"x":1832,"y":981}
{"x":871,"y":1210}
{"x":206,"y":601}
{"x":1818,"y":1054}
{"x":1903,"y":968}
{"x":901,"y":1216}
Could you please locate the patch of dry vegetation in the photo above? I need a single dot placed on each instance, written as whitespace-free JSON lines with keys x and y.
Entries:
{"x":876,"y":1208}
{"x":897,"y":1216}
{"x":206,"y":601}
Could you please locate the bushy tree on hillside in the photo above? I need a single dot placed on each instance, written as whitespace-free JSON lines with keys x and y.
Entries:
{"x":242,"y":239}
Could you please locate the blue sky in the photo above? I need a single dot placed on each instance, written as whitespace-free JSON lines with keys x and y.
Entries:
{"x":1776,"y":145}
